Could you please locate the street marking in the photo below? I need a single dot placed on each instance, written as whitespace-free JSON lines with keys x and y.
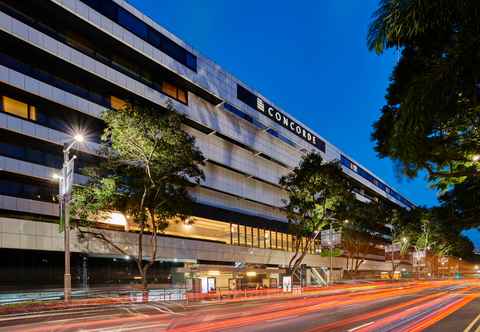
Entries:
{"x":361,"y":326}
{"x":472,"y":324}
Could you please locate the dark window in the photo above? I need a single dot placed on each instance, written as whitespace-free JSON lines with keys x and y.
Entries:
{"x":247,"y":97}
{"x":27,"y":187}
{"x":131,"y":23}
{"x":127,"y":20}
{"x":28,"y":149}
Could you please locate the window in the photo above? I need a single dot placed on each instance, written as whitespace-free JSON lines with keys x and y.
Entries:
{"x":182,"y":95}
{"x":234,"y":233}
{"x":255,"y":237}
{"x":261,"y":238}
{"x":268,"y":243}
{"x":248,"y":237}
{"x":17,"y":108}
{"x":174,"y":91}
{"x":117,"y":103}
{"x":242,"y":235}
{"x":130,"y":22}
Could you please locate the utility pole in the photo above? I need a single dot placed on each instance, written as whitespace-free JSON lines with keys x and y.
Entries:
{"x":331,"y":254}
{"x":65,"y":193}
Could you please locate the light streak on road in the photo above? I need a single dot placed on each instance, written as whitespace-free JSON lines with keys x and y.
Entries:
{"x":407,"y":306}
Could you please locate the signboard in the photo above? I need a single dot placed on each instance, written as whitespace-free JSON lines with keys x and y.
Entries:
{"x":66,"y":181}
{"x":418,"y":258}
{"x":287,"y":283}
{"x":443,"y":260}
{"x":330,"y":238}
{"x":261,"y":106}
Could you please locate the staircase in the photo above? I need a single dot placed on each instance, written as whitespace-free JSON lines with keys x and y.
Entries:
{"x":319,"y":276}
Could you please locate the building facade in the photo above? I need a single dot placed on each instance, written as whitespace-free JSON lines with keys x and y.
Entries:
{"x":62,"y":62}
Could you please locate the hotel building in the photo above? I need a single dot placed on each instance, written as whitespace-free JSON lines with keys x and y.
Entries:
{"x":62,"y":62}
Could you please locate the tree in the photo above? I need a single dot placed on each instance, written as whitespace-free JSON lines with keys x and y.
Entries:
{"x":315,"y":189}
{"x":430,"y":121}
{"x":148,"y":164}
{"x":363,"y":223}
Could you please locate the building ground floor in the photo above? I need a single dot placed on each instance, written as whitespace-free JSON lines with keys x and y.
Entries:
{"x":31,"y":253}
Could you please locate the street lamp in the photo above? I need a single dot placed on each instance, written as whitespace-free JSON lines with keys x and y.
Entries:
{"x":65,"y":191}
{"x":476,"y":157}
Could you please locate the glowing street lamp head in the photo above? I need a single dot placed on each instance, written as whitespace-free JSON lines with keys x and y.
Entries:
{"x":476,"y":157}
{"x":55,"y":176}
{"x":404,"y":239}
{"x":79,"y":138}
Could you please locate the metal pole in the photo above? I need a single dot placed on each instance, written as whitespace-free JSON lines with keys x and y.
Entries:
{"x":67,"y":278}
{"x":331,"y":253}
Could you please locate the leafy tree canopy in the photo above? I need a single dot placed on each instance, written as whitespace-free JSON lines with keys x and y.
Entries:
{"x":315,"y":191}
{"x":148,"y":164}
{"x":431,"y":117}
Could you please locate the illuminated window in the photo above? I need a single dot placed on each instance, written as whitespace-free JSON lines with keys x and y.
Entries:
{"x":169,"y":89}
{"x":242,"y":235}
{"x":273,"y":240}
{"x":18,"y":108}
{"x":268,"y":243}
{"x":234,"y":233}
{"x":15,"y":107}
{"x":33,"y":113}
{"x":255,"y":237}
{"x":175,"y":92}
{"x":262,"y":238}
{"x":117,"y":103}
{"x":182,"y":95}
{"x":248,"y":234}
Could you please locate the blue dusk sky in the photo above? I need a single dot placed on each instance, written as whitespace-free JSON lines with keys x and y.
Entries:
{"x":309,"y":57}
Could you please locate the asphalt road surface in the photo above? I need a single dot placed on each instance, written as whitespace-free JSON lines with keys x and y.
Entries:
{"x":419,"y":306}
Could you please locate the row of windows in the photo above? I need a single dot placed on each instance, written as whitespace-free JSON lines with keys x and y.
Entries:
{"x":51,"y":116}
{"x":267,"y":239}
{"x":127,"y":20}
{"x":258,"y":124}
{"x":369,"y":177}
{"x":83,"y":42}
{"x":27,"y":149}
{"x":28,"y":188}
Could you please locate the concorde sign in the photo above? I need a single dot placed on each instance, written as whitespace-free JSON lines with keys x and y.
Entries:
{"x":279,"y":117}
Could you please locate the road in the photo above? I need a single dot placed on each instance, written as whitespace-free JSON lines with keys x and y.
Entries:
{"x":416,"y":306}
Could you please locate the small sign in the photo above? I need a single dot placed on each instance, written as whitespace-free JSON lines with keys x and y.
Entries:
{"x":66,"y":181}
{"x":418,"y":258}
{"x":330,"y":237}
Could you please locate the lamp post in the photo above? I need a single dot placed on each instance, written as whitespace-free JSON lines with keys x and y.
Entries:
{"x":65,"y":191}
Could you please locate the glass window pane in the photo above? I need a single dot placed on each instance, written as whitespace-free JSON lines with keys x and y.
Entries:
{"x":255,"y":237}
{"x":33,"y":113}
{"x":132,"y":23}
{"x":117,"y":103}
{"x":268,"y":243}
{"x":234,"y":233}
{"x":15,"y":107}
{"x":182,"y":95}
{"x":169,"y":89}
{"x":249,"y":236}
{"x":273,"y":239}
{"x":241,"y":232}
{"x":262,"y":238}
